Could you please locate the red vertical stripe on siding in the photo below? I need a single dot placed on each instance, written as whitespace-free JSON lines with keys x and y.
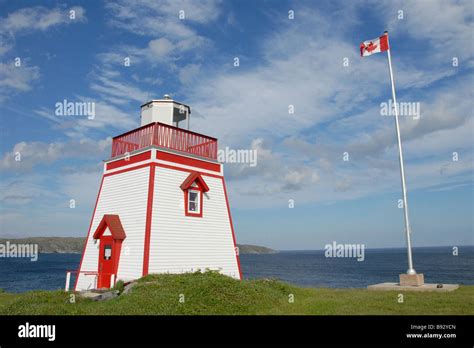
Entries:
{"x":149,"y":213}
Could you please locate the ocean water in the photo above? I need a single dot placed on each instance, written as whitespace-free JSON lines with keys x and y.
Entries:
{"x":304,"y":268}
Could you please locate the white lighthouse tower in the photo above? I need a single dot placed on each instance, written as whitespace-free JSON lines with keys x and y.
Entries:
{"x":162,"y":205}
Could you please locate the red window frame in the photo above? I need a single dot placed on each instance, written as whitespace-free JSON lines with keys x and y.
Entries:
{"x":186,"y":201}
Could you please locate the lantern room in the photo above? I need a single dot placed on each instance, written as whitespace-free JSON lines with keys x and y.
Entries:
{"x":167,"y":111}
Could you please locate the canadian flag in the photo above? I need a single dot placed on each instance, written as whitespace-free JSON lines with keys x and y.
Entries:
{"x":377,"y":45}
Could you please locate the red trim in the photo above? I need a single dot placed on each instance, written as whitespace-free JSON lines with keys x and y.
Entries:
{"x":163,"y":135}
{"x":149,"y":213}
{"x":118,"y":247}
{"x":165,"y":156}
{"x":88,"y":233}
{"x":128,"y":169}
{"x":114,"y":224}
{"x":232,"y":228}
{"x":152,"y":166}
{"x":201,"y":187}
{"x":165,"y":125}
{"x":85,"y":272}
{"x":132,"y":159}
{"x":186,"y":170}
{"x":194,"y":177}
{"x":163,"y":166}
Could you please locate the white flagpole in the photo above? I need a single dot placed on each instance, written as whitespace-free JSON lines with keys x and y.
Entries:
{"x":410,"y":270}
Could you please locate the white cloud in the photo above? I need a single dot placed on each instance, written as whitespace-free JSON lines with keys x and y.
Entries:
{"x":36,"y":153}
{"x":115,"y":107}
{"x":19,"y":192}
{"x":160,"y":48}
{"x":113,"y":86}
{"x":37,"y":18}
{"x":149,"y":17}
{"x":447,"y":25}
{"x":274,"y":172}
{"x":16,"y":79}
{"x":32,"y":206}
{"x":189,"y":73}
{"x":172,"y":36}
{"x":336,"y":110}
{"x":23,"y":21}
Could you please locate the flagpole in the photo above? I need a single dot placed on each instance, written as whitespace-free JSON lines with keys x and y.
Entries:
{"x":410,"y":270}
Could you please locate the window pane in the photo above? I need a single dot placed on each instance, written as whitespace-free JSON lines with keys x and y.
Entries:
{"x":107,"y":252}
{"x":193,"y":201}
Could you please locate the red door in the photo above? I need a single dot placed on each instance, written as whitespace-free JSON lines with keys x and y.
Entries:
{"x":106,"y":261}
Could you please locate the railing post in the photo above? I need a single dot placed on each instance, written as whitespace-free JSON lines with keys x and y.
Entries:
{"x":68,"y":281}
{"x":112,"y":280}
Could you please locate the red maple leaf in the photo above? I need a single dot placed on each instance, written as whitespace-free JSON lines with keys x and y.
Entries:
{"x":370,"y":47}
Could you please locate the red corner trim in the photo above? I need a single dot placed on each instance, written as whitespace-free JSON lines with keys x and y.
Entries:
{"x":149,"y":213}
{"x":232,"y":228}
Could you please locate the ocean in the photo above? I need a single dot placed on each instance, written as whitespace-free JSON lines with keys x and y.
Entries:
{"x":303,"y":268}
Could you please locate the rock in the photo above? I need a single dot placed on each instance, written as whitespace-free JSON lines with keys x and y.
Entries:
{"x":108,"y":295}
{"x":128,"y":287}
{"x":100,"y":296}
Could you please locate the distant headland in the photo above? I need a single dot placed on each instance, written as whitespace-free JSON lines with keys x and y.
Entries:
{"x":74,"y":245}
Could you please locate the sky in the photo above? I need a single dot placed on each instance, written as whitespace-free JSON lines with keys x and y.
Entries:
{"x":334,"y":156}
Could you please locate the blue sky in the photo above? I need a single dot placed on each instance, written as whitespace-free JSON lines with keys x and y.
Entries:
{"x":282,"y":61}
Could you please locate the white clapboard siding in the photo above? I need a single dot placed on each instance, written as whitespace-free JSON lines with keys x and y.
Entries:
{"x":180,"y":243}
{"x":126,"y":195}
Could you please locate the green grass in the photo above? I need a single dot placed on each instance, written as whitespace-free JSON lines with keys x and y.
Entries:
{"x":211,"y":293}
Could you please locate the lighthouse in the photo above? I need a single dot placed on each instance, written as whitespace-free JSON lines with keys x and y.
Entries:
{"x":162,"y":205}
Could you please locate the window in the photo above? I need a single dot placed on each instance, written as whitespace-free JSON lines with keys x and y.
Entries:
{"x":107,"y":252}
{"x":194,"y":188}
{"x":193,"y":202}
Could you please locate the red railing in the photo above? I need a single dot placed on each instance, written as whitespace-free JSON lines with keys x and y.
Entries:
{"x":166,"y":136}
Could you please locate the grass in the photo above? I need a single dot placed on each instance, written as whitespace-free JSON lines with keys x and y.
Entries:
{"x":212,"y":293}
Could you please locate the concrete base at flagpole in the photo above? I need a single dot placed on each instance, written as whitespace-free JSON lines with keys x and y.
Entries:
{"x":413,"y":282}
{"x":421,"y":288}
{"x":416,"y":279}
